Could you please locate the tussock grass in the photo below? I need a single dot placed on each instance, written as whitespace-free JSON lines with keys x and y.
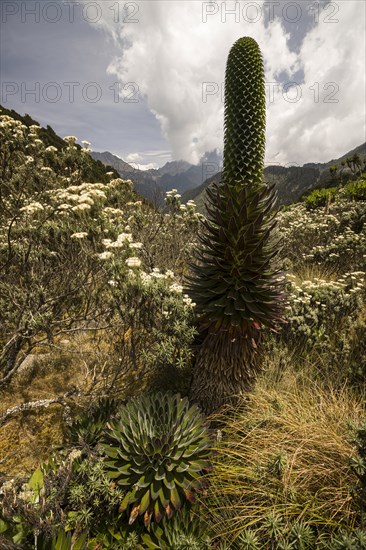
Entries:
{"x":285,"y":453}
{"x":312,"y":272}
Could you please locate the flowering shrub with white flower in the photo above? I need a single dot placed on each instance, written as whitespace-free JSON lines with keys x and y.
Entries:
{"x":325,"y":252}
{"x":78,"y":256}
{"x":167,"y":237}
{"x":333,"y":237}
{"x":326,"y":255}
{"x":326,"y":325}
{"x":318,"y":309}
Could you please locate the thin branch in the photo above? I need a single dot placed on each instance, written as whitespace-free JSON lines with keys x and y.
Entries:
{"x":32,"y":405}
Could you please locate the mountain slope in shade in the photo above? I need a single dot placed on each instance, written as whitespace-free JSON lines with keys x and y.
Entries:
{"x":291,"y":182}
{"x":145,"y":184}
{"x":153,"y":184}
{"x":360,"y":150}
{"x":189,"y":179}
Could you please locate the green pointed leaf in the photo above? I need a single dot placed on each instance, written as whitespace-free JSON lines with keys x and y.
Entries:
{"x":145,"y":502}
{"x":175,"y":498}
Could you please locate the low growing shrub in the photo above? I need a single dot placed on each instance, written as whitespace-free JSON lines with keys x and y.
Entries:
{"x":320,"y":197}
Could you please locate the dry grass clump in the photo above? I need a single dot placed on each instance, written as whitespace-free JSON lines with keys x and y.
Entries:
{"x":28,"y":437}
{"x":28,"y":440}
{"x":314,"y":272}
{"x":285,"y":453}
{"x":82,"y":369}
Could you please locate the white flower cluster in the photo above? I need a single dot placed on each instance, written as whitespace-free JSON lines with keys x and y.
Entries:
{"x":6,"y":486}
{"x":175,"y":287}
{"x":119,"y":182}
{"x":112,"y":213}
{"x":105,"y":255}
{"x":156,"y":275}
{"x":9,"y":123}
{"x":188,"y":301}
{"x":70,"y":139}
{"x":172,"y":194}
{"x":85,"y":195}
{"x":190,"y":207}
{"x":32,"y":208}
{"x":122,"y":240}
{"x":184,"y":212}
{"x":80,"y":235}
{"x":133,"y":262}
{"x":311,"y":300}
{"x":172,"y":199}
{"x":158,"y":280}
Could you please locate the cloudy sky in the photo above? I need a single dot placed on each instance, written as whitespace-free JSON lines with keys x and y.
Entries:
{"x":143,"y":79}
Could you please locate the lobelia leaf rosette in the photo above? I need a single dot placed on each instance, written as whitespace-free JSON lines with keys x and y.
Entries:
{"x":158,"y":448}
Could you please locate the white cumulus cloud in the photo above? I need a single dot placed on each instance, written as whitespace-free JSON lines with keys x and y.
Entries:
{"x":178,"y":63}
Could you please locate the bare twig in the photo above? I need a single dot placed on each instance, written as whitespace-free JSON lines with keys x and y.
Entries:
{"x":31,"y":405}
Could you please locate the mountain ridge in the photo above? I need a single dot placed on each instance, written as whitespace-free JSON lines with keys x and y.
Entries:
{"x":291,"y":182}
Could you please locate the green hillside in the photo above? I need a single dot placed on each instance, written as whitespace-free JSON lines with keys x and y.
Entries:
{"x":96,"y":171}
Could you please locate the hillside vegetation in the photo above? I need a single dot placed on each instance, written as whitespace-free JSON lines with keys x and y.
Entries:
{"x":96,"y":170}
{"x":102,"y":443}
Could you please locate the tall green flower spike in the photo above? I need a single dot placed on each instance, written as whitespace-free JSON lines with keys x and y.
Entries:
{"x":235,"y":279}
{"x":245,"y":114}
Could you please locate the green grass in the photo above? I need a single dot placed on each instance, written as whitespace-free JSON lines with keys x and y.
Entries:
{"x":284,"y":457}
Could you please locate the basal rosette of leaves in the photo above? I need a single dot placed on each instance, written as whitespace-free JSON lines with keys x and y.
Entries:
{"x":87,"y":428}
{"x":183,"y":532}
{"x":158,"y":449}
{"x":239,"y":289}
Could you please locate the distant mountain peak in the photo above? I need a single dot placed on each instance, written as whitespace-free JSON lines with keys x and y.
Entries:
{"x":173,"y":168}
{"x":108,"y":158}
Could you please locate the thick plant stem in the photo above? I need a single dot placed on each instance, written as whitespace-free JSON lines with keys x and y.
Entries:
{"x":226,"y":367}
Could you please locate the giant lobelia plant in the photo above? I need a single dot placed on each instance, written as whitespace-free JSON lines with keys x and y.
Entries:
{"x":235,"y":280}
